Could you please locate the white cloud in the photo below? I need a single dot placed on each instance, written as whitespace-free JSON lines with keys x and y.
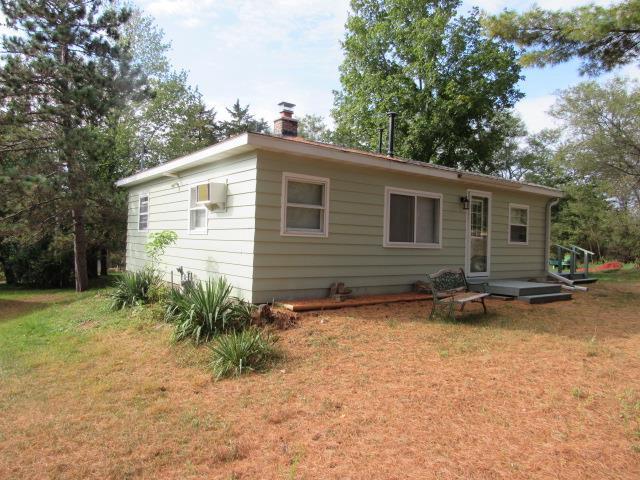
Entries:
{"x":534,"y":110}
{"x":630,"y":71}
{"x":262,"y":52}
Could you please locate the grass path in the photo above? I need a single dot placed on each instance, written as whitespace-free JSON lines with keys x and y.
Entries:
{"x":549,"y":391}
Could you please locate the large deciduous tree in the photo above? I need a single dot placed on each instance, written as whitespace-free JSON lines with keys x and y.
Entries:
{"x":601,"y":37}
{"x":602,"y":130}
{"x":448,"y":83}
{"x":173,"y":120}
{"x":62,"y":75}
{"x":529,"y":157}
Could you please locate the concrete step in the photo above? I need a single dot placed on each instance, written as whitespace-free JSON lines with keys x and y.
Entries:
{"x":545,"y":298}
{"x":578,"y":281}
{"x":519,"y":288}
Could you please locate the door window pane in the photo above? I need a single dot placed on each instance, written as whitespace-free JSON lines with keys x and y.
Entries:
{"x":479,"y":241}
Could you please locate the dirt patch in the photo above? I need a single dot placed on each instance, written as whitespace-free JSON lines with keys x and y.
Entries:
{"x":15,"y":308}
{"x":526,"y":392}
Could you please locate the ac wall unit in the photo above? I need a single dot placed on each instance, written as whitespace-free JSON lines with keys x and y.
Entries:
{"x":213,"y":196}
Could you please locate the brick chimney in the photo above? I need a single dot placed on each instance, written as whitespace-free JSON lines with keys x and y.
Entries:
{"x":286,"y":125}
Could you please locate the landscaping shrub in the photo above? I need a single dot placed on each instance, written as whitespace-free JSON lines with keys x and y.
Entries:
{"x":204,"y":309}
{"x":136,"y":288}
{"x":243,"y":351}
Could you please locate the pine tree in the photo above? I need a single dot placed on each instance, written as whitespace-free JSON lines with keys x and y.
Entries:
{"x":60,"y":77}
{"x":603,"y":38}
{"x":241,"y":121}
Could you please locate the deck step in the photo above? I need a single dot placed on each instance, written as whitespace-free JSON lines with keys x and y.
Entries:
{"x":545,"y":298}
{"x":579,"y":277}
{"x":573,"y":276}
{"x":518,"y":288}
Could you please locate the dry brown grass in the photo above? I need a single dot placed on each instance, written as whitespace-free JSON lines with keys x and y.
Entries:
{"x":549,"y":391}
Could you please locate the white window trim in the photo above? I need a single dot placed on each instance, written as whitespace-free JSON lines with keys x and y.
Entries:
{"x":140,"y":197}
{"x":387,"y":218}
{"x":286,"y":176}
{"x":467,"y":234}
{"x":522,"y":207}
{"x":201,"y":231}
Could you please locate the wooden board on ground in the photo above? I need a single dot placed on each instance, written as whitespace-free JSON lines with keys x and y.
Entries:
{"x":305,"y":305}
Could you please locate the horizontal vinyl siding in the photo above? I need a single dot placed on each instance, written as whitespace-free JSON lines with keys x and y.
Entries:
{"x":226,"y":249}
{"x":297,"y":267}
{"x":517,"y":261}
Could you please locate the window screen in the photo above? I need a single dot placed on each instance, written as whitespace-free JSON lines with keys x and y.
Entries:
{"x":305,"y":208}
{"x":198,"y":213}
{"x":413,"y":219}
{"x":518,"y":224}
{"x":143,"y":212}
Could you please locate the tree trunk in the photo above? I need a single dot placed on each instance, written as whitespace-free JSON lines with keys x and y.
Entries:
{"x":80,"y":249}
{"x":104,"y":259}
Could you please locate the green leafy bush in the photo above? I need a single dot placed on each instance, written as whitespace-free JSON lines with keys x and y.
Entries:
{"x":158,"y":243}
{"x":243,"y":351}
{"x":204,"y":309}
{"x":136,"y":288}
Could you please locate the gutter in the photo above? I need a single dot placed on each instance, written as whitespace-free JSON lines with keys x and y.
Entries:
{"x":547,"y":238}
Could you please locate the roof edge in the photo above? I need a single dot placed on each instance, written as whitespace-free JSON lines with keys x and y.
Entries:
{"x":216,"y":151}
{"x":257,"y":141}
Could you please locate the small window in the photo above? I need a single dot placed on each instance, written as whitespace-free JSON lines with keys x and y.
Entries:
{"x":518,"y":224}
{"x":197,"y":211}
{"x":143,"y":212}
{"x":305,"y":205}
{"x":412,"y":219}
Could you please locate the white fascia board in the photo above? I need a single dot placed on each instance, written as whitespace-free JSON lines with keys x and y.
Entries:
{"x":252,"y":141}
{"x":210,"y":154}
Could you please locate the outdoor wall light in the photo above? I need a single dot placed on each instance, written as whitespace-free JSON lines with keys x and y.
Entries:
{"x":465,"y":202}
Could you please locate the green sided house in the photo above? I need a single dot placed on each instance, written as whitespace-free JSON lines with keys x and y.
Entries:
{"x":284,"y":218}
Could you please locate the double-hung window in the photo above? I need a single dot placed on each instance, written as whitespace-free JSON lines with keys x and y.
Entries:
{"x":198,"y":211}
{"x":518,"y":224}
{"x":305,"y":205}
{"x":143,"y":212}
{"x":412,"y":219}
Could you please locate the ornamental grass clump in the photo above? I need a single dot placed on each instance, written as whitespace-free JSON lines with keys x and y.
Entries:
{"x":205,"y":309}
{"x":239,"y":352}
{"x":136,"y":288}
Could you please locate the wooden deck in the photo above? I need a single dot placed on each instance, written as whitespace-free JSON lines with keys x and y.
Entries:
{"x":530,"y":292}
{"x":309,"y":304}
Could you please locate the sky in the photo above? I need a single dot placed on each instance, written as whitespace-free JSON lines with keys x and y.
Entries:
{"x":264,"y":52}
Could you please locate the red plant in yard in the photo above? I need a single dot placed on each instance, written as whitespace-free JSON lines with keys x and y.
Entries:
{"x":609,"y":267}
